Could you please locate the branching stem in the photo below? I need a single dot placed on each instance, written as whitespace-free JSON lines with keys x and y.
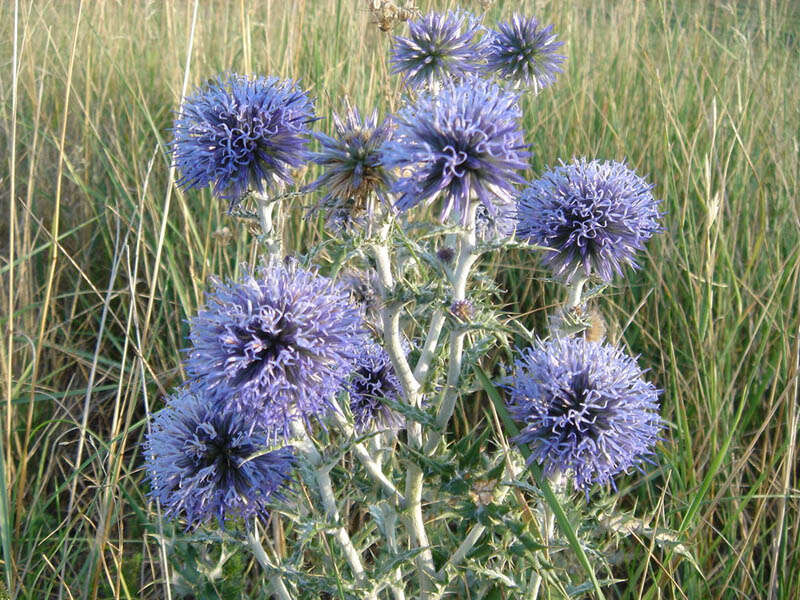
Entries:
{"x":270,"y":217}
{"x":276,"y":581}
{"x":465,"y":259}
{"x":323,"y":481}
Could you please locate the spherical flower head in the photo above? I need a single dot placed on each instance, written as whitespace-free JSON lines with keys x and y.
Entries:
{"x":439,"y":47}
{"x":242,"y":134}
{"x":352,"y":165}
{"x":275,"y":345}
{"x":525,"y":53}
{"x":463,"y":310}
{"x":204,"y":463}
{"x":593,"y":215}
{"x":586,"y":407}
{"x":465,"y":142}
{"x":372,"y":382}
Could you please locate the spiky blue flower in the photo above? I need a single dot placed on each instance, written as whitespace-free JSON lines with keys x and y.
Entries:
{"x":593,"y":215}
{"x":586,"y":408}
{"x":464,"y":142}
{"x":242,"y":134}
{"x":439,"y":47}
{"x":353,"y":169}
{"x":524,"y":53}
{"x":372,"y":382}
{"x":204,"y":463}
{"x":276,"y":345}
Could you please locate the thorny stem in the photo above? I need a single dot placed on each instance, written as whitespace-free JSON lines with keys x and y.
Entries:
{"x":323,"y":480}
{"x":391,"y":337}
{"x":270,"y":217}
{"x":574,"y":291}
{"x":429,"y":347}
{"x":390,"y":314}
{"x":276,"y":581}
{"x":465,"y":258}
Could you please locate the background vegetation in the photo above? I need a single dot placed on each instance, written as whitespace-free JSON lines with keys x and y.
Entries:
{"x":103,"y":259}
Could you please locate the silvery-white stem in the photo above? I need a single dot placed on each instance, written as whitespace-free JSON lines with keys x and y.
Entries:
{"x":574,"y":292}
{"x":270,"y":217}
{"x":323,"y":480}
{"x":392,"y":345}
{"x":429,"y":347}
{"x":424,"y":560}
{"x":465,"y":258}
{"x":391,"y":315}
{"x":276,"y":581}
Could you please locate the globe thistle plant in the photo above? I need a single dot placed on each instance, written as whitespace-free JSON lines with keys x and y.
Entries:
{"x":204,"y":463}
{"x":466,"y":142}
{"x":524,"y":53}
{"x":241,"y":134}
{"x":593,"y":215}
{"x":372,"y":382}
{"x":439,"y":47}
{"x":275,"y":345}
{"x":586,"y":408}
{"x":353,"y":170}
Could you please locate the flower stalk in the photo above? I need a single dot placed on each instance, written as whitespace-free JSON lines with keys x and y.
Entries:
{"x":270,"y":217}
{"x":391,"y":334}
{"x":323,"y":483}
{"x":466,"y":256}
{"x":260,"y":554}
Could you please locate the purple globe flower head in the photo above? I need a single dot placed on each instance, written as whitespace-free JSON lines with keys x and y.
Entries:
{"x":524,"y":53}
{"x":593,"y":215}
{"x":466,"y":142}
{"x":440,"y":47}
{"x":352,"y":165}
{"x":275,"y":345}
{"x":242,"y":134}
{"x":372,"y":382}
{"x":586,"y":407}
{"x":204,"y":463}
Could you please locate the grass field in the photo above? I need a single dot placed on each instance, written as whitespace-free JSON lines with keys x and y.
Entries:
{"x":102,"y":259}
